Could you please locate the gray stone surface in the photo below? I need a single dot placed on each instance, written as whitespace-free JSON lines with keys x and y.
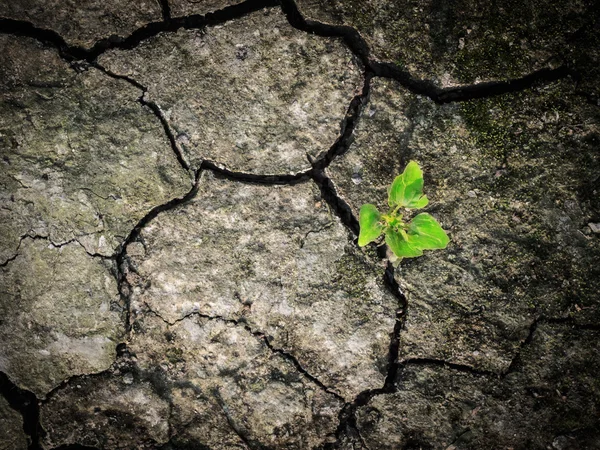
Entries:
{"x":181,"y":8}
{"x":84,"y":22}
{"x":246,"y":317}
{"x":117,"y":411}
{"x":278,"y":259}
{"x":462,"y":42}
{"x":500,"y":174}
{"x":81,"y":158}
{"x":12,"y":436}
{"x":229,"y":388}
{"x":253,"y":94}
{"x":57,"y":315}
{"x":550,"y":400}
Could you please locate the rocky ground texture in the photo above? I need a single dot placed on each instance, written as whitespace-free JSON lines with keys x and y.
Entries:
{"x":179,"y":201}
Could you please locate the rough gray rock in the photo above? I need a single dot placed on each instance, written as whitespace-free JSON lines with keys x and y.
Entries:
{"x":81,"y":158}
{"x":276,"y":258}
{"x":253,"y":94}
{"x":462,"y":42}
{"x":229,"y":388}
{"x":246,"y":316}
{"x":120,"y":411}
{"x":11,"y":424}
{"x":181,"y":8}
{"x":519,"y":246}
{"x":57,"y":315}
{"x":550,"y":400}
{"x":84,"y":22}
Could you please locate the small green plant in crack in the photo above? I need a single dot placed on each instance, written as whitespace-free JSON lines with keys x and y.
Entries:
{"x":405,"y":239}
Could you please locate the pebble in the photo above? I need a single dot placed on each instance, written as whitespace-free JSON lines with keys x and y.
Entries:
{"x":595,"y":227}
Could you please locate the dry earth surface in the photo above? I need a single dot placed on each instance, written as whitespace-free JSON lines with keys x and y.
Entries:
{"x":180,"y":188}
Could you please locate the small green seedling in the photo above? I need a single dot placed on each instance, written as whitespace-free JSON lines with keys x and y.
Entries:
{"x":405,"y":239}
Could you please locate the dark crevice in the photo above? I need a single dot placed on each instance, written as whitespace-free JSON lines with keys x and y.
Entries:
{"x":47,"y":37}
{"x":9,"y":260}
{"x":76,"y":53}
{"x":473,"y":91}
{"x":165,"y":9}
{"x":516,"y":359}
{"x":50,"y":395}
{"x":156,"y":110}
{"x":26,"y":403}
{"x":121,"y":255}
{"x":347,"y":426}
{"x":493,"y":88}
{"x":337,"y":204}
{"x":286,"y":179}
{"x":349,"y":123}
{"x":349,"y":35}
{"x":359,"y":47}
{"x":172,"y":139}
{"x":394,"y":347}
{"x":566,"y":321}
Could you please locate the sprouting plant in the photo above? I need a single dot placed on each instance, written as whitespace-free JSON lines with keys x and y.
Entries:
{"x":405,"y":239}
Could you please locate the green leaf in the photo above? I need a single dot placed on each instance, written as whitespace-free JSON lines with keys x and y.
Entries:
{"x":426,"y":233}
{"x":400,"y":246}
{"x":370,"y":227}
{"x":407,"y":188}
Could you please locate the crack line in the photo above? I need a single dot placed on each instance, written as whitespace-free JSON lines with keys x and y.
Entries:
{"x":285,"y":179}
{"x":567,"y":321}
{"x":260,"y":335}
{"x":121,"y":258}
{"x":347,"y":425}
{"x":156,"y":110}
{"x":76,"y":53}
{"x":165,"y":10}
{"x":348,"y":125}
{"x":243,"y":435}
{"x":26,"y":403}
{"x":472,"y":91}
{"x":351,"y":37}
{"x":360,"y":49}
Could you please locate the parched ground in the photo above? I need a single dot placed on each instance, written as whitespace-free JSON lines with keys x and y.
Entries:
{"x":180,"y":189}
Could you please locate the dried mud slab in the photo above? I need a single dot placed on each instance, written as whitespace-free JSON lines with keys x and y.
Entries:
{"x":81,"y":158}
{"x":12,"y":436}
{"x":118,"y":411}
{"x":551,"y":400}
{"x":512,"y":180}
{"x":181,"y":8}
{"x":229,"y":389}
{"x":276,"y":258}
{"x":466,"y":41}
{"x":253,"y":94}
{"x":57,"y":315}
{"x":84,"y":22}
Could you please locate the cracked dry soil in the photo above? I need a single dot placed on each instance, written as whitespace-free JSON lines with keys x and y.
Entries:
{"x":181,"y":183}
